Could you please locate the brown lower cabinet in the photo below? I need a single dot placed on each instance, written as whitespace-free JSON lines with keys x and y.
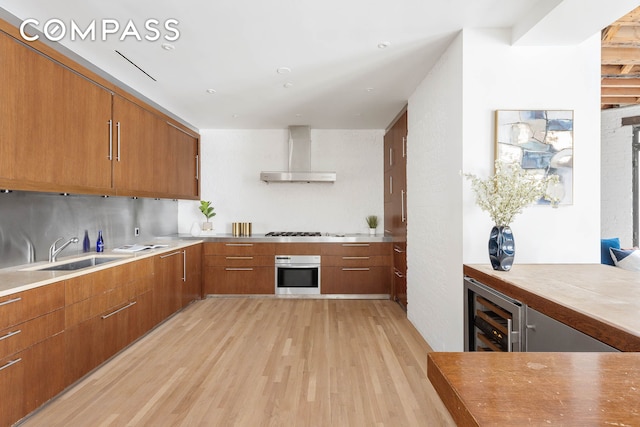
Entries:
{"x":356,"y":268}
{"x":249,"y":268}
{"x":31,"y":350}
{"x":356,"y":280}
{"x":239,"y":268}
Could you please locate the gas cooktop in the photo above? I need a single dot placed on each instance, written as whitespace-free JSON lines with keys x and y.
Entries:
{"x":293,"y":234}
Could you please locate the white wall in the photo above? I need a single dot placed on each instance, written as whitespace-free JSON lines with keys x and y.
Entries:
{"x":499,"y":76}
{"x":434,"y":195}
{"x":616,"y":192}
{"x":233,"y":159}
{"x":489,"y":74}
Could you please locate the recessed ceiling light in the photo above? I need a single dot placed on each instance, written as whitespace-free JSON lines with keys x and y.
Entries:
{"x":167,"y":46}
{"x":384,"y":45}
{"x":211,"y":91}
{"x":287,"y":85}
{"x":369,"y":89}
{"x":283,"y":70}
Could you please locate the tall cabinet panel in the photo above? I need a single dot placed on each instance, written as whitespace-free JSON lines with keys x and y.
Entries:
{"x":55,"y":132}
{"x":395,"y":202}
{"x":136,"y":133}
{"x":176,"y":163}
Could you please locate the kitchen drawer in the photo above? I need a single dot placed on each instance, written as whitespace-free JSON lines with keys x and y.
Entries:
{"x":239,"y":261}
{"x":31,"y":378}
{"x":12,"y":382}
{"x":24,"y":335}
{"x":89,"y":285}
{"x":131,"y":271}
{"x":92,"y":307}
{"x":299,"y":248}
{"x":22,"y":306}
{"x":400,"y":286}
{"x":353,"y":280}
{"x":240,"y":280}
{"x":239,"y":248}
{"x":356,"y":260}
{"x":356,"y":249}
{"x":400,"y":256}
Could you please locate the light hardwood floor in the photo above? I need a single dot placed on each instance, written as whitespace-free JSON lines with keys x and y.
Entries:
{"x":262,"y":362}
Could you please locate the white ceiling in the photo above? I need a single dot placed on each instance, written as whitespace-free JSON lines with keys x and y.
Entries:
{"x":339,"y":76}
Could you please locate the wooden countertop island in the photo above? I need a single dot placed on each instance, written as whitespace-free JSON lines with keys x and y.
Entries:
{"x":566,"y":389}
{"x":599,"y":300}
{"x":518,"y":389}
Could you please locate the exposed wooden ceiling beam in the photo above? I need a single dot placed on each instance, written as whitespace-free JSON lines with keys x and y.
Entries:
{"x":620,"y":55}
{"x":635,"y":82}
{"x":621,"y":91}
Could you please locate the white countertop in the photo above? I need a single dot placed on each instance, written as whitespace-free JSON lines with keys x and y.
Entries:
{"x":24,"y":277}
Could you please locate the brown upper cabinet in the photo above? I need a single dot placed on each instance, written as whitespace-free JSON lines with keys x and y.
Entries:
{"x":54,"y":133}
{"x":65,"y":129}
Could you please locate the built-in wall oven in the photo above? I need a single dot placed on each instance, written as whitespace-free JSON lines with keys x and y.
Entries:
{"x":492,"y":321}
{"x":297,"y":274}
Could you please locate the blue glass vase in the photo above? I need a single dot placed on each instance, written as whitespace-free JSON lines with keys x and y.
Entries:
{"x":502,"y":248}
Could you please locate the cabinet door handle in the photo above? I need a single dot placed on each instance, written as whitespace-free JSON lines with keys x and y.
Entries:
{"x":13,"y":362}
{"x":391,"y":185}
{"x":10,"y":334}
{"x":397,"y":249}
{"x":118,"y":132}
{"x":398,"y":274}
{"x":110,"y":156}
{"x":404,"y":218}
{"x":171,"y":254}
{"x":404,"y":149}
{"x":356,"y":269}
{"x":9,"y":301}
{"x":197,"y":167}
{"x":238,"y":269}
{"x":355,"y":257}
{"x":132,"y":303}
{"x":238,"y":244}
{"x":358,"y":245}
{"x":239,"y":257}
{"x":390,"y":156}
{"x":184,"y":265}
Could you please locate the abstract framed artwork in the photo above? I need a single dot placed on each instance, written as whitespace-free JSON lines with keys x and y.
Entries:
{"x":541,"y":141}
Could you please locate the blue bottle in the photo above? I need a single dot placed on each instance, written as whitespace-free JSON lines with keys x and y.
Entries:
{"x":100,"y":243}
{"x":86,"y":244}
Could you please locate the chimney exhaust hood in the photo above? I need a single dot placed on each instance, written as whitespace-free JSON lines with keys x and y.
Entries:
{"x":299,"y":161}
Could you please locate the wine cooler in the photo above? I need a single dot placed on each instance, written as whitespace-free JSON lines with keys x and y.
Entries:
{"x":492,"y":320}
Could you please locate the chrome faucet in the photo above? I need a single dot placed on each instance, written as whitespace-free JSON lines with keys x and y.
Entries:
{"x":53,"y":251}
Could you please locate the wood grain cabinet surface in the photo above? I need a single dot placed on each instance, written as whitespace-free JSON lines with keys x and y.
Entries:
{"x":31,"y":350}
{"x":239,"y":268}
{"x":356,"y":268}
{"x":395,"y":201}
{"x":55,"y":131}
{"x":105,"y":313}
{"x":65,"y":129}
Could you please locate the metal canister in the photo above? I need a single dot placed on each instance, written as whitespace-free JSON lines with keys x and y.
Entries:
{"x":235,"y":228}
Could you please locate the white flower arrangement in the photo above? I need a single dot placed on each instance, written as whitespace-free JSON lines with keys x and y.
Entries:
{"x":511,"y":189}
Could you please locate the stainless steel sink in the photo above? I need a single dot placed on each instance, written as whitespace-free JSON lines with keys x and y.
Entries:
{"x":76,"y":264}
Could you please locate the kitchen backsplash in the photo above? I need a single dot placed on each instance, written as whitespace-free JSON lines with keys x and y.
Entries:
{"x":30,"y":222}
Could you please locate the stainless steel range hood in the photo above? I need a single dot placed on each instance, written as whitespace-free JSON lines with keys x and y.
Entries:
{"x":299,"y":161}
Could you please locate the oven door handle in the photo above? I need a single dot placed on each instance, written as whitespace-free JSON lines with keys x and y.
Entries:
{"x":297,"y":265}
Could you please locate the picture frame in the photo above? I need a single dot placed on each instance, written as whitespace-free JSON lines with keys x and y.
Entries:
{"x":541,"y":141}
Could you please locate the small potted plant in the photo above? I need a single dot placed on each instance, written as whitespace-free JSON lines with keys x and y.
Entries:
{"x":207,"y":211}
{"x":372,"y":222}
